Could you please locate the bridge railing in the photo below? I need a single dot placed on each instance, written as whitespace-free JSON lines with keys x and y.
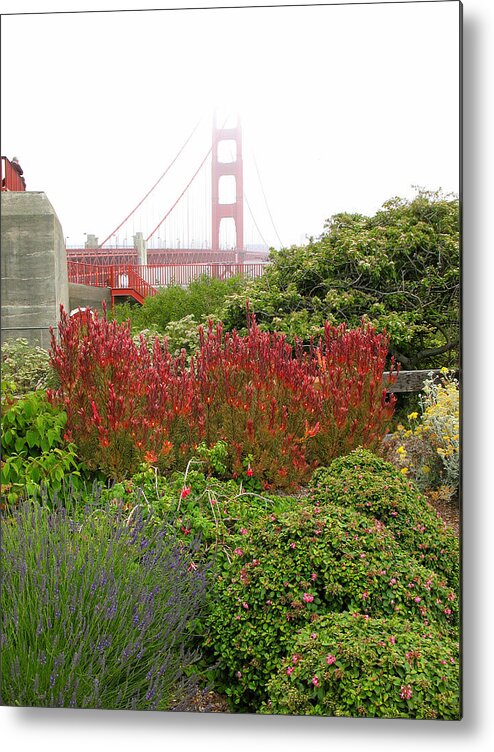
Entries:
{"x":124,"y":277}
{"x":145,"y":278}
{"x":11,"y":180}
{"x":94,"y":275}
{"x":161,"y":275}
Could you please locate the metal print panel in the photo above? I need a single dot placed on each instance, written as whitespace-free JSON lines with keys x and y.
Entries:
{"x":231,"y":405}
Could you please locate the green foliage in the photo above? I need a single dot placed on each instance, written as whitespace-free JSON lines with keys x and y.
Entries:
{"x":202,"y":299}
{"x":373,"y":487}
{"x":195,"y":504}
{"x":34,"y":450}
{"x":399,"y":268}
{"x":291,"y":567}
{"x":349,"y":665}
{"x":25,"y":366}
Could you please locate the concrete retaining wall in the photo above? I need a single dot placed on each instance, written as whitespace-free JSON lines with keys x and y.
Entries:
{"x":84,"y":296}
{"x":33,"y":267}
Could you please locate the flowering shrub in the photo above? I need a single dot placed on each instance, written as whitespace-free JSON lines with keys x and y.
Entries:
{"x":310,"y":560}
{"x":280,"y":410}
{"x":350,"y":665}
{"x":95,"y":615}
{"x":429,"y":449}
{"x":27,"y":366}
{"x":375,"y":488}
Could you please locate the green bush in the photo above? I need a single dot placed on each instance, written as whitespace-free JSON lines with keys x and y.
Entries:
{"x":307,"y":561}
{"x":26,"y":366}
{"x":400,"y":268}
{"x":348,"y":665}
{"x":196,"y":505}
{"x":375,"y":488}
{"x":34,"y":450}
{"x":203,"y":298}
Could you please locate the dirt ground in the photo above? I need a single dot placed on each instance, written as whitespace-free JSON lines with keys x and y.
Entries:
{"x":449,"y":511}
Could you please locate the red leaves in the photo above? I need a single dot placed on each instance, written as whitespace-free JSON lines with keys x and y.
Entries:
{"x":288,"y":409}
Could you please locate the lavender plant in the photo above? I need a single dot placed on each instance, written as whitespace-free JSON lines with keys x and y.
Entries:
{"x":96,"y":614}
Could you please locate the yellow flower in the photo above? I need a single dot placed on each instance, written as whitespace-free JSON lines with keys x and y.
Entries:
{"x":412,"y":416}
{"x":401,"y":450}
{"x":444,"y":369}
{"x":404,"y":470}
{"x":426,"y":469}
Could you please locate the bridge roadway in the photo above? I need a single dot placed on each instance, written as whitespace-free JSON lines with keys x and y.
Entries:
{"x":165,"y":256}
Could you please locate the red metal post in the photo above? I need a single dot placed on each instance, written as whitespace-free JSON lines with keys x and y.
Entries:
{"x":218,"y":169}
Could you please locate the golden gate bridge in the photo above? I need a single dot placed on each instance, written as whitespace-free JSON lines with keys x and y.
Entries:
{"x":213,"y":243}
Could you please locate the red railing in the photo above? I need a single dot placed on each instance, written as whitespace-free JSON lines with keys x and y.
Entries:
{"x":141,"y":281}
{"x":183,"y":274}
{"x":127,"y":278}
{"x":122,"y":279}
{"x":11,"y":180}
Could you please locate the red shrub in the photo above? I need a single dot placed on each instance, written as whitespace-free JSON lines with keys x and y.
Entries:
{"x":288,"y":409}
{"x":124,"y":404}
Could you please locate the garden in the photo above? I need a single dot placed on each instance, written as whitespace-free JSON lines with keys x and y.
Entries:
{"x":216,"y":501}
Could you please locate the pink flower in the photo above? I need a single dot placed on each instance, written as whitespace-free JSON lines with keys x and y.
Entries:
{"x":392,"y":581}
{"x":239,"y":674}
{"x":392,"y":639}
{"x":243,"y":531}
{"x":295,"y":658}
{"x":238,"y":551}
{"x":315,"y":681}
{"x":406,"y":692}
{"x":307,"y":598}
{"x":289,"y":670}
{"x":245,"y":605}
{"x":447,"y":611}
{"x":365,"y":594}
{"x":313,"y":636}
{"x":417,"y":599}
{"x":330,"y":659}
{"x":250,"y":472}
{"x":293,"y":545}
{"x":185,"y":492}
{"x":313,"y":576}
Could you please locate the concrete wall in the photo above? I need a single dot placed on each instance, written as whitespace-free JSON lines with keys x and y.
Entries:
{"x":84,"y":296}
{"x":33,"y":267}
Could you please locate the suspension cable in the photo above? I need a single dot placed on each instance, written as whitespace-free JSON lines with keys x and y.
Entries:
{"x":154,"y":186}
{"x":265,"y":199}
{"x":181,"y":195}
{"x":254,"y":220}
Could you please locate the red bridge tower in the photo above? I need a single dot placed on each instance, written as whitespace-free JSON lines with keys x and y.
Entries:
{"x":234,"y":210}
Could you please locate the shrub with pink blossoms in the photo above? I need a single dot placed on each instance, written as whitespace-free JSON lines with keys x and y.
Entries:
{"x":366,"y":674}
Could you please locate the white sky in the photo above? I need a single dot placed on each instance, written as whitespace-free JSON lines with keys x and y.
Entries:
{"x":342,"y":106}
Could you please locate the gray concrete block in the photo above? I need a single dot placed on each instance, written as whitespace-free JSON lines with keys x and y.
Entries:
{"x":33,"y":267}
{"x":84,"y":296}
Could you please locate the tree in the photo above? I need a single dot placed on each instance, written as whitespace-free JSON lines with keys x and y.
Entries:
{"x":400,"y":269}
